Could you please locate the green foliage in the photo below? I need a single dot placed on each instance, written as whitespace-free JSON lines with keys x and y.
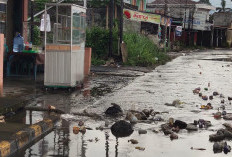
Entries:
{"x":98,"y":3}
{"x":223,"y":4}
{"x":36,"y":36}
{"x":142,"y":51}
{"x":40,"y":5}
{"x":97,"y":61}
{"x":98,"y":39}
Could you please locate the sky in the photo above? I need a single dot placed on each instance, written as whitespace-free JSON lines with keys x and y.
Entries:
{"x":217,"y":3}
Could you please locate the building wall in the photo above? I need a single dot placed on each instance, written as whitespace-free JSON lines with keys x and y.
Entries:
{"x":222,"y":19}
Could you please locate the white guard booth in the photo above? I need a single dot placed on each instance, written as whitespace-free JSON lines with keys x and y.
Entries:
{"x":64,"y":26}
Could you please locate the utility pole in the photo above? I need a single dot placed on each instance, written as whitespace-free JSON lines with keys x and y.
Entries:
{"x":121,"y":26}
{"x":185,"y":17}
{"x":111,"y":13}
{"x":165,"y":28}
{"x":32,"y":20}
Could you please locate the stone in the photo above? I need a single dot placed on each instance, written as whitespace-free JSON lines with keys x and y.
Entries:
{"x":121,"y":129}
{"x":141,"y":131}
{"x":180,"y":124}
{"x":81,"y":123}
{"x":204,"y":97}
{"x":146,"y":112}
{"x":140,"y":116}
{"x":210,"y":97}
{"x":114,"y":110}
{"x":133,"y":141}
{"x":215,"y":93}
{"x":173,"y":136}
{"x":217,"y":147}
{"x":191,"y":127}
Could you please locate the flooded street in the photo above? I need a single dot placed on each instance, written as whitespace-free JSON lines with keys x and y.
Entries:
{"x":177,"y":79}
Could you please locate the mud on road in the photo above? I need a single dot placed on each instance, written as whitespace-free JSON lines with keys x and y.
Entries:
{"x":175,"y":80}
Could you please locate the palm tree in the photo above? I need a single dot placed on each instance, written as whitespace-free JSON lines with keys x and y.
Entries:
{"x":223,"y":3}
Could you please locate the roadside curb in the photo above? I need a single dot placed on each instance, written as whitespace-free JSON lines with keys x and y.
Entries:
{"x":26,"y":136}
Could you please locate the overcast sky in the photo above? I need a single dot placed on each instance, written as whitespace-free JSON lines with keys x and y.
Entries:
{"x":217,"y":3}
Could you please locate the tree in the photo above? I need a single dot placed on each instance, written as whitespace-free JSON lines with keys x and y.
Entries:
{"x":205,"y":1}
{"x":223,"y":3}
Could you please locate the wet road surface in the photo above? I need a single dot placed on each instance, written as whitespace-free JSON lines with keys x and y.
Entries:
{"x":175,"y":80}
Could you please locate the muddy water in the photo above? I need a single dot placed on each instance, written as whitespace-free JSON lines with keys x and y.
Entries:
{"x":175,"y":80}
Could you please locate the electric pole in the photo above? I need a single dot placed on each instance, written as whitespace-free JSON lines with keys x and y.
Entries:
{"x":32,"y":20}
{"x":165,"y":27}
{"x":111,"y":13}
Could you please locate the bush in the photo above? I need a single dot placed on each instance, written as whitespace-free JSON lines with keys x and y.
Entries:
{"x":98,"y":39}
{"x":142,"y":51}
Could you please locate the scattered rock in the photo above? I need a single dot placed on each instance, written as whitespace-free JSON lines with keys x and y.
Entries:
{"x":142,"y":131}
{"x":131,"y":117}
{"x":81,"y":123}
{"x":217,"y":115}
{"x":204,"y":97}
{"x":215,"y":93}
{"x":173,"y":136}
{"x":114,"y":110}
{"x":210,"y":97}
{"x":140,"y":116}
{"x":140,"y":148}
{"x":191,"y":127}
{"x":100,"y":128}
{"x":218,"y":147}
{"x":121,"y":129}
{"x":146,"y":112}
{"x":133,"y":141}
{"x":83,"y":129}
{"x":180,"y":124}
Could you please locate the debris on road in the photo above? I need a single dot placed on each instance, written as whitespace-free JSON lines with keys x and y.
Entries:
{"x":141,"y":131}
{"x":121,"y":129}
{"x":197,"y":148}
{"x":140,"y":148}
{"x":76,"y":129}
{"x":218,"y":147}
{"x":173,"y":136}
{"x":2,"y":119}
{"x":114,"y":110}
{"x":133,"y":141}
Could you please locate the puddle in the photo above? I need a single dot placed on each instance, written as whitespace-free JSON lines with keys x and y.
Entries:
{"x":175,"y":80}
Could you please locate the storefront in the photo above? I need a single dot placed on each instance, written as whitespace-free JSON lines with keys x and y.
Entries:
{"x":13,"y":13}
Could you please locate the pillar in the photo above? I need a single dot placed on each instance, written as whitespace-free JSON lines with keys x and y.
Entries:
{"x":25,"y":17}
{"x":1,"y":62}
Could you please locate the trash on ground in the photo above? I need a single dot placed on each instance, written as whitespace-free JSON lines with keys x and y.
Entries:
{"x":197,"y":148}
{"x":206,"y":107}
{"x":121,"y":129}
{"x":114,"y":110}
{"x":142,"y":131}
{"x":191,"y":127}
{"x":81,"y":123}
{"x":76,"y":129}
{"x":140,"y":148}
{"x":217,"y":115}
{"x":218,"y":147}
{"x":215,"y":93}
{"x":204,"y":97}
{"x":133,"y":141}
{"x":173,"y":136}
